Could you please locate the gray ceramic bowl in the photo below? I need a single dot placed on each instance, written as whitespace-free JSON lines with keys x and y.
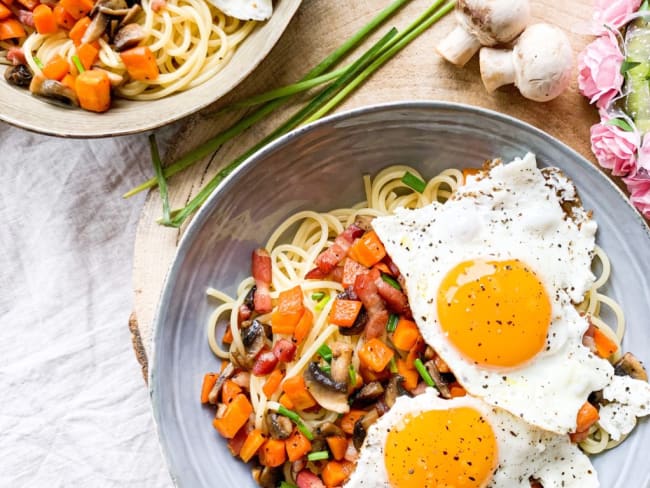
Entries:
{"x":320,"y":167}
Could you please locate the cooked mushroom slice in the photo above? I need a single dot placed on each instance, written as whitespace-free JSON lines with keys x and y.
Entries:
{"x":267,"y":477}
{"x":96,"y":28}
{"x":629,"y":365}
{"x":330,"y":394}
{"x":440,"y":382}
{"x":53,"y":91}
{"x":279,"y":426}
{"x":394,"y":389}
{"x":328,"y":429}
{"x":253,"y":337}
{"x":225,"y":374}
{"x":19,"y":75}
{"x":341,"y":360}
{"x":368,"y":394}
{"x":115,"y":79}
{"x":110,"y":5}
{"x":361,"y":427}
{"x":131,"y":15}
{"x":128,"y":36}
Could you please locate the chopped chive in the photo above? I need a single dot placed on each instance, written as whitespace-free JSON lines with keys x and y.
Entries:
{"x":284,"y":484}
{"x":392,"y":366}
{"x":160,"y":176}
{"x":77,"y":63}
{"x":412,"y":181}
{"x":282,"y":410}
{"x":392,"y":322}
{"x":321,"y":304}
{"x":305,"y":430}
{"x":424,"y":373}
{"x":352,"y":373}
{"x":317,"y":296}
{"x":318,"y":456}
{"x":38,"y":62}
{"x":325,"y":352}
{"x":326,"y":369}
{"x":391,"y":281}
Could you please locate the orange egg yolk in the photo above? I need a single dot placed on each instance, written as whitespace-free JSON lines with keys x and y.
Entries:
{"x":441,"y":449}
{"x":495,"y":313}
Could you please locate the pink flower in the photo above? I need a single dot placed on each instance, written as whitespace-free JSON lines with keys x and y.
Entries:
{"x":643,"y":158}
{"x":614,"y":148}
{"x":613,"y":13}
{"x":599,"y":70}
{"x":639,"y":188}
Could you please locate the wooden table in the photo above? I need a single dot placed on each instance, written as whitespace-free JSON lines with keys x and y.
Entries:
{"x":417,"y":73}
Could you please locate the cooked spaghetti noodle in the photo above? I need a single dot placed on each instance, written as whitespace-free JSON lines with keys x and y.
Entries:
{"x":296,"y":243}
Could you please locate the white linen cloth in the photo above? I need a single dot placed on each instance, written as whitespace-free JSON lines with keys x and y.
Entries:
{"x":74,"y":409}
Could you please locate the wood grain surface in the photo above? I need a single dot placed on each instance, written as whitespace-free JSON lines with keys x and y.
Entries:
{"x":417,"y":73}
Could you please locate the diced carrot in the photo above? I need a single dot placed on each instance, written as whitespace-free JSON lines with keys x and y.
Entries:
{"x":272,"y":383}
{"x":297,"y":391}
{"x":375,"y":355}
{"x":415,"y":351}
{"x":409,"y":373}
{"x":229,"y":391}
{"x":77,"y":8}
{"x":351,"y":269}
{"x":349,"y":419}
{"x":335,"y":473}
{"x":56,"y":68}
{"x":208,"y":382}
{"x":605,"y":347}
{"x":338,"y":445}
{"x":456,"y":390}
{"x":303,"y":327}
{"x":44,"y":20}
{"x":383,"y":268}
{"x":587,"y":416}
{"x":227,"y":336}
{"x":87,"y":54}
{"x":4,"y":11}
{"x":62,"y":17}
{"x":286,"y":401}
{"x":93,"y":90}
{"x":69,"y":81}
{"x":288,"y":311}
{"x":235,"y":416}
{"x":441,"y":365}
{"x":368,"y":249}
{"x":297,"y":445}
{"x":369,"y":376}
{"x":470,"y":172}
{"x":11,"y":29}
{"x":253,"y":442}
{"x":78,"y":30}
{"x":344,"y":312}
{"x":237,"y":442}
{"x":406,"y":334}
{"x":140,"y":63}
{"x":273,"y":453}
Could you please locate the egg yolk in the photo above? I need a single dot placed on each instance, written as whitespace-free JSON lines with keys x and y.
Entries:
{"x":495,"y":313}
{"x":441,"y":449}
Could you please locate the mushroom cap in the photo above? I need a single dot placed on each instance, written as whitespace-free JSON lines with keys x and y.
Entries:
{"x":493,"y":21}
{"x":543,"y":61}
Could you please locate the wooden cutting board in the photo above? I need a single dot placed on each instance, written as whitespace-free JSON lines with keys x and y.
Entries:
{"x":417,"y":73}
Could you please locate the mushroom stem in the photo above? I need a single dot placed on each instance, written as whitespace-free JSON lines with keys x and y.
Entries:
{"x":497,"y":68}
{"x":459,"y":46}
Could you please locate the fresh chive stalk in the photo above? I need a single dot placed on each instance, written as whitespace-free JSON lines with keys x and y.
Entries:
{"x":352,"y":373}
{"x":38,"y":62}
{"x":326,"y":369}
{"x":323,"y":301}
{"x":305,"y":430}
{"x":351,"y":73}
{"x":296,"y":419}
{"x":412,"y":181}
{"x":392,"y":366}
{"x":325,"y":352}
{"x":160,"y":177}
{"x":318,"y":456}
{"x":212,"y":144}
{"x":284,"y":484}
{"x":391,"y":325}
{"x":391,"y":281}
{"x":317,"y":296}
{"x":424,"y":373}
{"x":77,"y":63}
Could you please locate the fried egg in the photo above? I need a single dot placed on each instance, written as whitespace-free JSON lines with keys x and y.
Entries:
{"x":492,"y":277}
{"x":426,"y":441}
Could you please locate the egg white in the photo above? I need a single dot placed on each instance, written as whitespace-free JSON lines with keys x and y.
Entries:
{"x":512,"y":213}
{"x":523,"y":450}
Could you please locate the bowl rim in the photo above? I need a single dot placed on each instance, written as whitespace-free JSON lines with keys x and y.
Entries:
{"x":207,"y":208}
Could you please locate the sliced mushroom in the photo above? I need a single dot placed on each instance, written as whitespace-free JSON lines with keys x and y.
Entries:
{"x":440,"y":382}
{"x":110,"y":5}
{"x":115,"y":79}
{"x":331,"y":395}
{"x":96,"y":28}
{"x":242,"y":379}
{"x":19,"y":75}
{"x":341,"y":360}
{"x":53,"y":91}
{"x":629,"y":365}
{"x":267,"y":477}
{"x":128,"y":36}
{"x":225,"y":374}
{"x":253,"y":337}
{"x":368,"y":394}
{"x":394,"y":389}
{"x":361,"y":427}
{"x":131,"y":15}
{"x":328,"y":429}
{"x":280,"y":427}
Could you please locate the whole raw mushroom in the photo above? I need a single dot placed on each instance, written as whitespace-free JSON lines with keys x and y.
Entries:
{"x":540,"y":64}
{"x":483,"y":23}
